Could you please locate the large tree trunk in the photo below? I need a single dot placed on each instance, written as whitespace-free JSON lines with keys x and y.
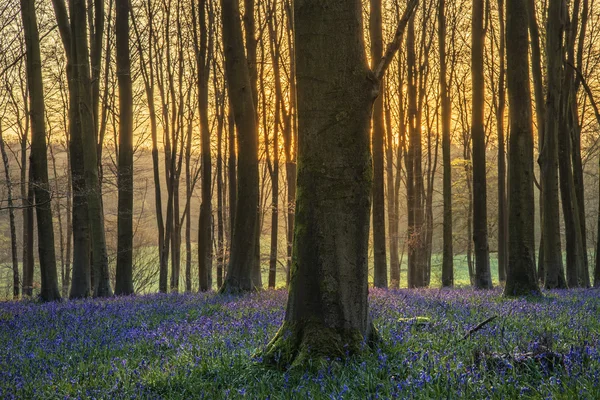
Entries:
{"x":124,"y":277}
{"x":521,"y":279}
{"x":552,"y":255}
{"x":39,"y":158}
{"x":448,"y":253}
{"x":483,"y":279}
{"x":378,"y":133}
{"x":243,"y":247}
{"x":327,"y":312}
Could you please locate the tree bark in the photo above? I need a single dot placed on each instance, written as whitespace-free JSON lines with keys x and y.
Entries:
{"x":521,"y":279}
{"x":39,"y":158}
{"x":500,"y":113}
{"x":124,"y":275}
{"x":327,"y":313}
{"x":243,"y":247}
{"x":483,"y":279}
{"x":80,"y":58}
{"x":448,"y":253}
{"x":554,"y":277}
{"x":205,"y":218}
{"x":377,"y":139}
{"x":11,"y":217}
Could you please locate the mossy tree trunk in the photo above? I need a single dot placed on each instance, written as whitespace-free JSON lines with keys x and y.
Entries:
{"x":327,"y":312}
{"x":39,"y":158}
{"x":521,"y":278}
{"x":245,"y":229}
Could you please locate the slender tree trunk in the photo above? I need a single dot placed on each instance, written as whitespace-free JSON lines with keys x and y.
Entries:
{"x":220,"y":202}
{"x":552,"y":254}
{"x":500,"y":112}
{"x":413,"y":233}
{"x":290,"y":142}
{"x":377,"y":139}
{"x":205,"y":219}
{"x":243,"y":248}
{"x":279,"y":105}
{"x":521,"y":278}
{"x":538,"y":86}
{"x":80,"y":58}
{"x":28,"y":256}
{"x":448,"y":253}
{"x":391,"y":202}
{"x":61,"y":243}
{"x":39,"y":160}
{"x":483,"y":279}
{"x":124,"y":278}
{"x":147,"y":69}
{"x":11,"y":217}
{"x":27,"y":204}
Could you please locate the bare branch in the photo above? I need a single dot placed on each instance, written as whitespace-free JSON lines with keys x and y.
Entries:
{"x":394,"y":46}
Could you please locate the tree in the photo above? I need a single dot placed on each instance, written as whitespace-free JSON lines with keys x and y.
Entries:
{"x":205,"y":219}
{"x":124,"y":278}
{"x":378,"y":134}
{"x":245,"y":225}
{"x":448,"y":253}
{"x":551,"y":252}
{"x":500,"y":114}
{"x":84,"y":106}
{"x":483,"y":279}
{"x":327,"y":313}
{"x":521,"y":279}
{"x":11,"y":216}
{"x":39,"y":158}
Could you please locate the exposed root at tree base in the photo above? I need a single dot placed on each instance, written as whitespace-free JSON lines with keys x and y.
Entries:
{"x":306,"y":344}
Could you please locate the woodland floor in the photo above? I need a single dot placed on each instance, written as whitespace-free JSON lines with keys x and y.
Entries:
{"x":202,"y":346}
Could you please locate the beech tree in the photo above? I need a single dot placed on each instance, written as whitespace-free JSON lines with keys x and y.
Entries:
{"x":124,"y":278}
{"x":327,"y":312}
{"x":242,"y":261}
{"x":483,"y":278}
{"x":448,"y":253}
{"x":39,"y":158}
{"x":521,"y":278}
{"x":378,"y":134}
{"x":551,"y":244}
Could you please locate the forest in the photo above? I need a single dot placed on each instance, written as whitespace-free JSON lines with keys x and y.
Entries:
{"x":300,"y":198}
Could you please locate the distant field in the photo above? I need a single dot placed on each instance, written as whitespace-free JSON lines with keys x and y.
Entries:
{"x":202,"y":345}
{"x":147,"y":258}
